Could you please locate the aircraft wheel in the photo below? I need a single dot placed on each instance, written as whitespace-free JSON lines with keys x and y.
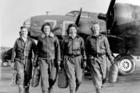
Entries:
{"x":126,"y":64}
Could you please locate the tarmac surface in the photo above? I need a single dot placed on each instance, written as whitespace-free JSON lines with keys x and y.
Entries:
{"x":125,"y":84}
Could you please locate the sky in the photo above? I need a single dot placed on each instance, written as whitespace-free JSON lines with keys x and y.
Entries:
{"x":14,"y":12}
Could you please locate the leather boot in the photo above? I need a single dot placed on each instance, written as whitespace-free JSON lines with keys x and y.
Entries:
{"x":26,"y":89}
{"x":98,"y":90}
{"x":21,"y":89}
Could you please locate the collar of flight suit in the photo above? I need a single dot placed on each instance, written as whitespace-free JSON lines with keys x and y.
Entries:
{"x":99,"y":36}
{"x":74,"y":38}
{"x":50,"y":35}
{"x":20,"y":38}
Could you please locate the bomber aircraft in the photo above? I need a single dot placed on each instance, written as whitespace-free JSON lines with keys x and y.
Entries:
{"x":122,"y":29}
{"x":120,"y":24}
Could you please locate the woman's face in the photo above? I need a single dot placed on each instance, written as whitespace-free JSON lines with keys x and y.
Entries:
{"x":96,"y":29}
{"x":72,"y":32}
{"x":24,"y":32}
{"x":47,"y":30}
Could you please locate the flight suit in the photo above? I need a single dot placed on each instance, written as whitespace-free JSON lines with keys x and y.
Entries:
{"x":48,"y":57}
{"x":22,"y":54}
{"x":73,"y":54}
{"x":98,"y":52}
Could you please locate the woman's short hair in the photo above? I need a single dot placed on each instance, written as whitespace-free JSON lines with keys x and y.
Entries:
{"x":71,"y":25}
{"x":46,"y":24}
{"x":22,"y":27}
{"x":94,"y":23}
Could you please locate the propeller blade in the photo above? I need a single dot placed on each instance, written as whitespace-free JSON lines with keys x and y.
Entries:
{"x":78,"y":17}
{"x":112,"y":2}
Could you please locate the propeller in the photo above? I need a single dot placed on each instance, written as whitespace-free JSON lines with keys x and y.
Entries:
{"x":78,"y":17}
{"x":108,"y":17}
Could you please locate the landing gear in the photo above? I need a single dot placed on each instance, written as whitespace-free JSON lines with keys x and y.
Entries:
{"x":126,"y":64}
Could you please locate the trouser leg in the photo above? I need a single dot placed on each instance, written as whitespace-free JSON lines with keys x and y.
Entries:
{"x":20,"y":76}
{"x":24,"y":72}
{"x":27,"y":73}
{"x":44,"y":76}
{"x":96,"y":76}
{"x":78,"y":71}
{"x":52,"y":76}
{"x":97,"y":80}
{"x":27,"y":81}
{"x":108,"y":65}
{"x":20,"y":73}
{"x":70,"y":71}
{"x":104,"y":70}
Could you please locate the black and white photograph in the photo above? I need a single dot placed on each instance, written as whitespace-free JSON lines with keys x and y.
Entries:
{"x":70,"y":46}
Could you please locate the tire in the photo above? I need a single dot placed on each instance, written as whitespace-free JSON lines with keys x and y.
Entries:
{"x":126,"y":64}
